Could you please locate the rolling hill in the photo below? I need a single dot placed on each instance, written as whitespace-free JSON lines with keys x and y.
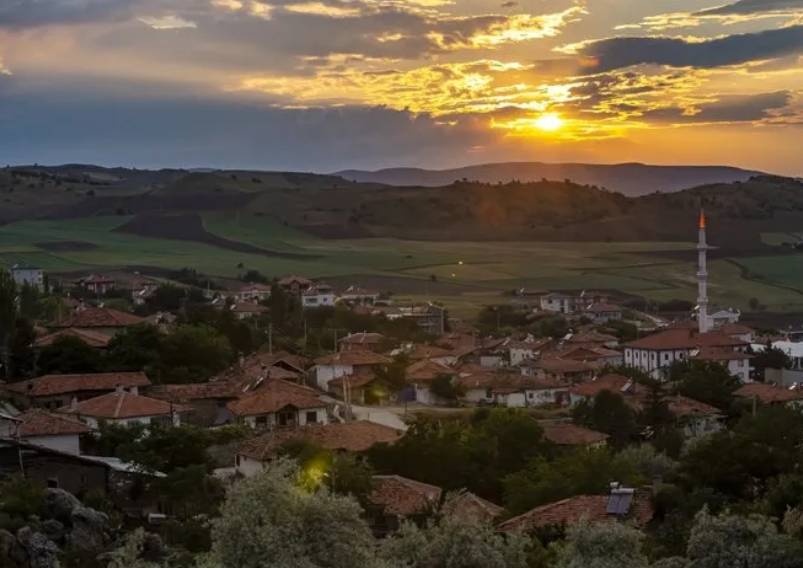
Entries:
{"x":629,"y":179}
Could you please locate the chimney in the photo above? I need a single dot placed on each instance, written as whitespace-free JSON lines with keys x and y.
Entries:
{"x":119,"y":389}
{"x":74,"y":404}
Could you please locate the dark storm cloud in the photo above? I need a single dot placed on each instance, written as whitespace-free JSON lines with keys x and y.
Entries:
{"x":752,"y":7}
{"x":32,"y":13}
{"x":186,"y":132}
{"x":735,"y":108}
{"x":619,"y":52}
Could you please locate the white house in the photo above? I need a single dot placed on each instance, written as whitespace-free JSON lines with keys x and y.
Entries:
{"x":42,"y":428}
{"x":558,"y":303}
{"x":317,"y":296}
{"x":601,"y":313}
{"x":30,"y":275}
{"x":345,"y":363}
{"x":124,"y":408}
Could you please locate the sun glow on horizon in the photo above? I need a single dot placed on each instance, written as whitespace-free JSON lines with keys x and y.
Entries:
{"x":549,"y":122}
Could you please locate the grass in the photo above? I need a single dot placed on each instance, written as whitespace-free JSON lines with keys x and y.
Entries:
{"x":478,"y":271}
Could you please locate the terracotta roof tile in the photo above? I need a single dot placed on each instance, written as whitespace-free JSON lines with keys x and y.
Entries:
{"x":465,"y":505}
{"x":568,"y":434}
{"x":99,"y":317}
{"x":272,"y":396}
{"x":769,"y":393}
{"x":38,"y":422}
{"x":363,"y":338}
{"x":116,"y":405}
{"x":592,"y":508}
{"x":91,"y":338}
{"x":427,"y":370}
{"x":351,"y":437}
{"x":353,"y":358}
{"x":610,"y":382}
{"x":183,"y":393}
{"x":50,"y":385}
{"x":399,"y":495}
{"x":685,"y":338}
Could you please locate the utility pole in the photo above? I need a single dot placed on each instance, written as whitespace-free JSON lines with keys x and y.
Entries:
{"x":270,"y":338}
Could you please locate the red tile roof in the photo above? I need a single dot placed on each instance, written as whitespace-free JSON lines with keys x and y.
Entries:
{"x":556,"y":365}
{"x":99,"y":317}
{"x":401,"y":496}
{"x":363,"y":338}
{"x":249,"y":308}
{"x":116,"y":405}
{"x":735,"y":329}
{"x":183,"y":393}
{"x":592,"y":337}
{"x":465,"y":505}
{"x":50,"y":385}
{"x":38,"y":422}
{"x":601,"y":308}
{"x":592,"y":508}
{"x":720,"y":354}
{"x":351,"y":437}
{"x":610,"y":382}
{"x":272,"y":396}
{"x":91,"y":338}
{"x":426,"y":370}
{"x":685,"y":338}
{"x":353,"y":358}
{"x":568,"y":434}
{"x":354,"y":381}
{"x":769,"y":393}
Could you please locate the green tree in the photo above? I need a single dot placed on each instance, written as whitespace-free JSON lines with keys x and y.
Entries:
{"x":136,"y":348}
{"x":769,"y":358}
{"x":603,"y":545}
{"x":68,"y":354}
{"x":706,"y":381}
{"x":30,"y":301}
{"x":454,"y":543}
{"x":23,"y":357}
{"x":193,"y":353}
{"x":609,"y":413}
{"x":268,"y":520}
{"x":443,"y":386}
{"x":733,"y":540}
{"x":8,"y":317}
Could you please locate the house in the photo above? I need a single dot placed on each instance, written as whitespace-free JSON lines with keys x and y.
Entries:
{"x":144,"y":291}
{"x":295,"y":284}
{"x":318,"y":296}
{"x":655,"y":353}
{"x":467,"y":506}
{"x":510,"y":390}
{"x":355,"y":437}
{"x":206,"y":402}
{"x":92,"y":338}
{"x":279,"y":403}
{"x":601,"y":313}
{"x":100,"y":320}
{"x":557,"y":368}
{"x":736,"y":362}
{"x":724,"y":317}
{"x":394,"y":498}
{"x":429,"y":317}
{"x":420,"y":352}
{"x":590,"y":338}
{"x":124,"y":408}
{"x":33,"y":276}
{"x":558,"y":303}
{"x":361,"y":388}
{"x":362,"y":341}
{"x":355,"y":295}
{"x":42,"y":428}
{"x":597,"y":356}
{"x":79,"y":474}
{"x":344,"y":363}
{"x":55,"y":391}
{"x":250,"y":371}
{"x":767,"y":393}
{"x":509,"y":352}
{"x":693,"y":418}
{"x":566,"y":434}
{"x":248,"y":310}
{"x":253,"y":292}
{"x":738,"y":331}
{"x":422,"y":373}
{"x":97,"y":284}
{"x":622,"y":504}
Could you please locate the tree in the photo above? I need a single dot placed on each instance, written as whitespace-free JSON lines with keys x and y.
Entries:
{"x":68,"y":354}
{"x":444,"y":387}
{"x":609,"y":413}
{"x":29,"y":301}
{"x":454,"y":543}
{"x":268,"y":520}
{"x":706,"y":381}
{"x":23,"y":357}
{"x":602,"y":545}
{"x":136,"y":348}
{"x":130,"y":553}
{"x":8,"y":317}
{"x":194,"y":352}
{"x":769,"y":358}
{"x":748,"y":542}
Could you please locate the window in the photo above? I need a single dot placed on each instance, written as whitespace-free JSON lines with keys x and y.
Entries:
{"x":312,"y":417}
{"x":262,"y":421}
{"x":53,"y":483}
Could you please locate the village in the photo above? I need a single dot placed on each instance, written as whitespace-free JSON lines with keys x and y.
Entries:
{"x":267,"y":368}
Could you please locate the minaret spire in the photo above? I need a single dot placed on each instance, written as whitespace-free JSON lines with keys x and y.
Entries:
{"x":703,"y":323}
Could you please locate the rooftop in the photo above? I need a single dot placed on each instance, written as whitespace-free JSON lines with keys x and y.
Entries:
{"x":51,"y":385}
{"x":568,"y":434}
{"x":273,"y":395}
{"x":37,"y":422}
{"x":121,"y":404}
{"x":402,"y":496}
{"x":99,"y":317}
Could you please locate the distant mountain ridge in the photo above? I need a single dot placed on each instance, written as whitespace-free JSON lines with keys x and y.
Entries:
{"x":631,"y":179}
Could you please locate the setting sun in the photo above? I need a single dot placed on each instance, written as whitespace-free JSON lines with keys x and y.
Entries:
{"x":549,"y":122}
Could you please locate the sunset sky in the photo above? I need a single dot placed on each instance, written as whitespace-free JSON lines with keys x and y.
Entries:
{"x":326,"y":84}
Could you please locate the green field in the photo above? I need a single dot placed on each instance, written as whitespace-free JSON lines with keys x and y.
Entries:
{"x":464,"y":274}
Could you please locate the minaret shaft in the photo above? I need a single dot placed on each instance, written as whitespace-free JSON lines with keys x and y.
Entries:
{"x":703,"y":322}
